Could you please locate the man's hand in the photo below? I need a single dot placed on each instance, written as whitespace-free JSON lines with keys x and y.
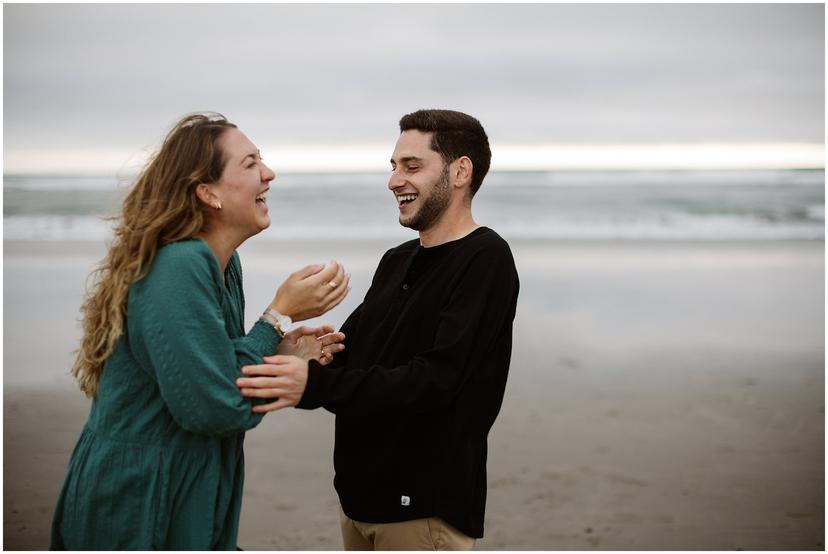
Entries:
{"x":282,"y":378}
{"x":312,"y":343}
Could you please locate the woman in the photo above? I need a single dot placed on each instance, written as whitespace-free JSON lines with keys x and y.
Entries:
{"x":159,"y":464}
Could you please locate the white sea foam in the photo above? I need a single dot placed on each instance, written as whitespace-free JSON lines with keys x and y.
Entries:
{"x":817,"y":212}
{"x":657,"y":205}
{"x":55,"y":228}
{"x":722,"y":228}
{"x":808,"y":178}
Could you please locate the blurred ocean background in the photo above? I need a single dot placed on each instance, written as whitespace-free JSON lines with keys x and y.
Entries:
{"x":627,"y":205}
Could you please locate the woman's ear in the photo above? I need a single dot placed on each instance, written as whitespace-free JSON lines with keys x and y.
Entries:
{"x":206,"y":195}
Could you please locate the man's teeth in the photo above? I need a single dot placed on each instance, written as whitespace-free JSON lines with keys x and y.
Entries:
{"x":406,"y":197}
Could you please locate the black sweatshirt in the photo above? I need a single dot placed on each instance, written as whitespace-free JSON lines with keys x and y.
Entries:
{"x":421,"y":381}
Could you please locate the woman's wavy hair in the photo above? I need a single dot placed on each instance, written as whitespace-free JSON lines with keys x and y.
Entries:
{"x":160,"y":208}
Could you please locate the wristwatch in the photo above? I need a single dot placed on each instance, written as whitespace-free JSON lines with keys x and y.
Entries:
{"x":281,"y":323}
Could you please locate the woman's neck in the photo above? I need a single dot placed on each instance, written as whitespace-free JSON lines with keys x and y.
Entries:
{"x":222,"y":246}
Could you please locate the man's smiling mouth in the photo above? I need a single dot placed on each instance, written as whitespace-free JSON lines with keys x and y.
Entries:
{"x":403,"y":199}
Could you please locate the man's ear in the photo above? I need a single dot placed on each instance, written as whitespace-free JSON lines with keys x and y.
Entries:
{"x":205,"y":193}
{"x":463,"y":168}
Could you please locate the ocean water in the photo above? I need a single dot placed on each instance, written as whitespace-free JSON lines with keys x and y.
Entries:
{"x":606,"y":205}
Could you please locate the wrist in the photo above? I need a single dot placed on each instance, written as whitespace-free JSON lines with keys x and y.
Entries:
{"x":280,"y":306}
{"x":281,"y":322}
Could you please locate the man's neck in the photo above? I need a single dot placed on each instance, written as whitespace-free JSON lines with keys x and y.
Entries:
{"x":453,"y":225}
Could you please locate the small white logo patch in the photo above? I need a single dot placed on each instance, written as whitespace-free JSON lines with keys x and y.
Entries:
{"x":405,"y":501}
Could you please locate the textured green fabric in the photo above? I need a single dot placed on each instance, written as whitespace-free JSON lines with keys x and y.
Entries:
{"x":159,"y":464}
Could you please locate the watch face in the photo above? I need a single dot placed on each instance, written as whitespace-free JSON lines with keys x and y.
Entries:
{"x":284,"y":323}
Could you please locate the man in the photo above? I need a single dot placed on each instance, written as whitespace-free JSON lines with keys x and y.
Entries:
{"x":423,"y":372}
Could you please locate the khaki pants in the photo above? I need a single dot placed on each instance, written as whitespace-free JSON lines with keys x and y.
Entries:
{"x":431,"y":533}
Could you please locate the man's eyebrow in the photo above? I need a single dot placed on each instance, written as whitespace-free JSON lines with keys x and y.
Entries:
{"x":408,"y":159}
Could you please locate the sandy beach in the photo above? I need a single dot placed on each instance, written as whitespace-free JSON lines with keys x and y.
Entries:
{"x":662,"y":395}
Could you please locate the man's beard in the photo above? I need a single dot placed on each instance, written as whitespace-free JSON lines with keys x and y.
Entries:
{"x":434,"y":205}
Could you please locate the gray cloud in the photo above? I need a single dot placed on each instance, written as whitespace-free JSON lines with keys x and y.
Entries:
{"x":91,"y":75}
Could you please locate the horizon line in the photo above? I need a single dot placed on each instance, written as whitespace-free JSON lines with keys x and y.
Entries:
{"x":508,"y":157}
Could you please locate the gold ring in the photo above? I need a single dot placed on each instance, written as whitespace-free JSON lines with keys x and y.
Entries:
{"x":332,"y":285}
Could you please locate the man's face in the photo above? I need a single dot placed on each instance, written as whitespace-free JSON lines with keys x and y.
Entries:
{"x":419,"y":181}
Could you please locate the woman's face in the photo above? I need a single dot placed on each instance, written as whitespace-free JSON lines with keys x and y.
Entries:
{"x":243,"y":186}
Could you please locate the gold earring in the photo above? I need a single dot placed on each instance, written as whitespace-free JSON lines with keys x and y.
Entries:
{"x":217,"y":205}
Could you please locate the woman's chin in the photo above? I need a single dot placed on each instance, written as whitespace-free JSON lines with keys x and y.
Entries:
{"x":260,"y":226}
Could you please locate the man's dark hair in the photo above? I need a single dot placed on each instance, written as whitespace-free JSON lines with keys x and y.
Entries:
{"x":455,"y":134}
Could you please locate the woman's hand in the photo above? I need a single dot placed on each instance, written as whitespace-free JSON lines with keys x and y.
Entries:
{"x":312,"y":291}
{"x":312,"y":343}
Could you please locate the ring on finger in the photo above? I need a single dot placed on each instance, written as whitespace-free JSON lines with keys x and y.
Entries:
{"x":333,"y":284}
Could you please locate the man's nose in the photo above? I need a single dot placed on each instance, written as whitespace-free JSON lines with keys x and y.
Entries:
{"x":394,"y":182}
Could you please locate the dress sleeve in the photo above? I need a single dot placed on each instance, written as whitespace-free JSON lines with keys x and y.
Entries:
{"x":177,"y":329}
{"x":467,"y":332}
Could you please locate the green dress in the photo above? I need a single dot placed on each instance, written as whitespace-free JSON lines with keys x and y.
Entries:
{"x":159,"y":464}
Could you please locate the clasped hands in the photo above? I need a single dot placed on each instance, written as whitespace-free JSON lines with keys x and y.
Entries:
{"x":283,"y":377}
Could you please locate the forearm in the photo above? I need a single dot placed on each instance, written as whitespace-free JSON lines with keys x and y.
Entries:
{"x":196,"y":373}
{"x":421,"y":385}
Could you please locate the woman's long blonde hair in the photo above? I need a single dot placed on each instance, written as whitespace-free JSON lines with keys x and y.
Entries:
{"x":160,"y":208}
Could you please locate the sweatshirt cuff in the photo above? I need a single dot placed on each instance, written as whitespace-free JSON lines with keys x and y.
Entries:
{"x":264,"y":338}
{"x":310,"y":398}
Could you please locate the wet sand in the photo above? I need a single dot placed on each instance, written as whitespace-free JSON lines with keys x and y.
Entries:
{"x":661,"y":396}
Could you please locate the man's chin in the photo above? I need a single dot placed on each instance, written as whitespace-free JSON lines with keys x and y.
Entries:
{"x":406,"y":222}
{"x":410,"y":223}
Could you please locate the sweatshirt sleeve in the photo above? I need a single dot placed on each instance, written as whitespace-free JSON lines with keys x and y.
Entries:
{"x":469,"y":328}
{"x":176,"y":327}
{"x":340,"y":359}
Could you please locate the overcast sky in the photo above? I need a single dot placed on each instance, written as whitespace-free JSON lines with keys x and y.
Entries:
{"x":107,"y":76}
